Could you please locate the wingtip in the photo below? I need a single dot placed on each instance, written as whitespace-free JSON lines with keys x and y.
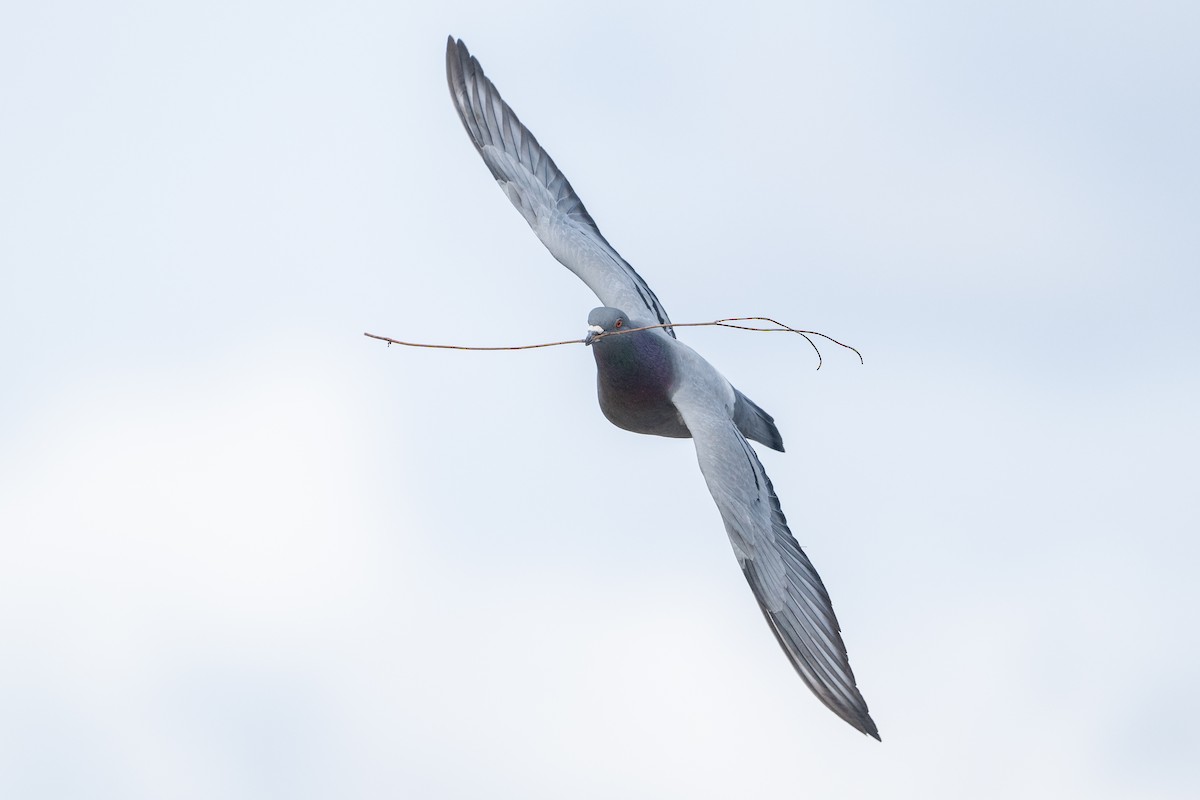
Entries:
{"x":864,"y":723}
{"x":871,"y":730}
{"x":456,"y":51}
{"x":451,"y":47}
{"x":860,"y":720}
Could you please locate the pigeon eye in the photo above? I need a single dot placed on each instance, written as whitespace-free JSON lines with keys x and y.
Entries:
{"x":619,"y":323}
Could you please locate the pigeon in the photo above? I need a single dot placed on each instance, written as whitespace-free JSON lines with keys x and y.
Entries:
{"x":651,"y":383}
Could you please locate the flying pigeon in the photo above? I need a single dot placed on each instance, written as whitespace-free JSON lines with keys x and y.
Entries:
{"x":649,"y":382}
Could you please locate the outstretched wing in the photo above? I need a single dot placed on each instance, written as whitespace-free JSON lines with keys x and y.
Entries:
{"x":785,"y":583}
{"x":542,"y":193}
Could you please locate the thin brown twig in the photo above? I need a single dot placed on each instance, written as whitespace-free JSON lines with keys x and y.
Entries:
{"x":463,"y":347}
{"x":728,"y":322}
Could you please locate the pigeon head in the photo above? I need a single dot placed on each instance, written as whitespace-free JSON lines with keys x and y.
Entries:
{"x":605,"y":320}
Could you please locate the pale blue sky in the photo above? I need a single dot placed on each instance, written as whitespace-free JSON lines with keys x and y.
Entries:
{"x":248,"y":553}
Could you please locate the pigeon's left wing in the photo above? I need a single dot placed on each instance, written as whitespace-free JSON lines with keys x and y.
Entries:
{"x":785,"y":583}
{"x":542,"y":193}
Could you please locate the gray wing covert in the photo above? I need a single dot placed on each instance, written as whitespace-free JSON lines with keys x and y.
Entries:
{"x":789,"y":591}
{"x":534,"y":184}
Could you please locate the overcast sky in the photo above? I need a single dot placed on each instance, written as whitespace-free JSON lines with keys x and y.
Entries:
{"x":247,"y":553}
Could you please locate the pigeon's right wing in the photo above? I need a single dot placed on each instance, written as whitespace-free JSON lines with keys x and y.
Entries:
{"x":542,"y":193}
{"x":785,"y":583}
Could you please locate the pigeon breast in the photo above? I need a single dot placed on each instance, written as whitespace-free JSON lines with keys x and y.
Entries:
{"x":635,"y":377}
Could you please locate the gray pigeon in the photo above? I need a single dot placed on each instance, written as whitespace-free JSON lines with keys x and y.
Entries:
{"x":649,"y":382}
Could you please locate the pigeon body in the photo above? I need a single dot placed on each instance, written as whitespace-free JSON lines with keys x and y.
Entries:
{"x":649,"y":382}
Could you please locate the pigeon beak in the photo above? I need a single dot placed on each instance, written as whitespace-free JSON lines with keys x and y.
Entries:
{"x":593,"y":332}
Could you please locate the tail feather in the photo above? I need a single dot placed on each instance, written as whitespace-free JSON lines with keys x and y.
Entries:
{"x":754,"y":423}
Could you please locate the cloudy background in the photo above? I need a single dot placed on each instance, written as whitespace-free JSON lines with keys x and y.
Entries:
{"x":248,"y":553}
